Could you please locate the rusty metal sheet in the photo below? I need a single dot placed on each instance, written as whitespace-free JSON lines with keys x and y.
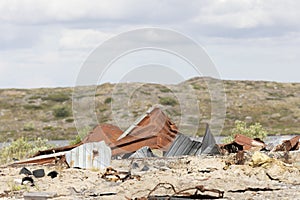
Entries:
{"x":247,"y":142}
{"x":241,"y":142}
{"x":56,"y":150}
{"x":104,"y":132}
{"x":89,"y":156}
{"x":153,"y":129}
{"x":134,"y":145}
{"x":289,"y":145}
{"x":42,"y":159}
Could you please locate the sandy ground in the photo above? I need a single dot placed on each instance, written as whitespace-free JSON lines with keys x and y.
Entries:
{"x":271,"y":180}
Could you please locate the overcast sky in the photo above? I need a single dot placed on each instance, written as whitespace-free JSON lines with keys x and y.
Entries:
{"x":44,"y":43}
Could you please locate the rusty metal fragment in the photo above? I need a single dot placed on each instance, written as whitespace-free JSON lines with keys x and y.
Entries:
{"x":253,"y":189}
{"x":184,"y":194}
{"x":247,"y":142}
{"x":116,"y":176}
{"x":289,"y":145}
{"x":43,"y":159}
{"x":56,"y":150}
{"x":242,"y":142}
{"x":240,"y":158}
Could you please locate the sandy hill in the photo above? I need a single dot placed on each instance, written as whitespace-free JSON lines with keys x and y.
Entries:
{"x":47,"y":112}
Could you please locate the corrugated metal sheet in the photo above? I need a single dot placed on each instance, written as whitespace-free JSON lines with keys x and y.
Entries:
{"x":154,"y":129}
{"x":136,"y":123}
{"x":89,"y":156}
{"x":56,"y":150}
{"x":42,"y":159}
{"x":184,"y":145}
{"x":209,"y":145}
{"x":104,"y":132}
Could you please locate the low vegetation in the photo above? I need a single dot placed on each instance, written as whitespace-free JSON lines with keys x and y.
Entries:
{"x":22,"y":148}
{"x":253,"y":131}
{"x":47,"y":112}
{"x":108,"y":100}
{"x":58,"y":97}
{"x":80,"y":136}
{"x":168,"y":101}
{"x":61,"y":111}
{"x":29,"y":126}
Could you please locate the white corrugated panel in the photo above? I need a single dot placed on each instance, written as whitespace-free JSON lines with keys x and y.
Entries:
{"x":90,"y":156}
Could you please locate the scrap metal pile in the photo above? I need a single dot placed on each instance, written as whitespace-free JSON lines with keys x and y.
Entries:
{"x":153,"y":130}
{"x":154,"y":137}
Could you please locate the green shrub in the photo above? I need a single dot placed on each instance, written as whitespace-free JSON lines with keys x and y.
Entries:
{"x":49,"y":128}
{"x":108,"y":100}
{"x":35,"y":97}
{"x":61,"y":111}
{"x":57,"y":97}
{"x":69,"y":120}
{"x":22,"y":148}
{"x":196,"y":86}
{"x":81,"y":135}
{"x":32,"y":107}
{"x":29,"y":126}
{"x":145,"y":92}
{"x":164,"y":89}
{"x":168,"y":101}
{"x":253,"y":131}
{"x":13,"y":187}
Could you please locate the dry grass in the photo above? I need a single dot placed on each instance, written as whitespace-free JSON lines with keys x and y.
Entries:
{"x":275,"y":105}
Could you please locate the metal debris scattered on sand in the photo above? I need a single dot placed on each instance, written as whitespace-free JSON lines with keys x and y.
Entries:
{"x":113,"y":175}
{"x":183,"y":193}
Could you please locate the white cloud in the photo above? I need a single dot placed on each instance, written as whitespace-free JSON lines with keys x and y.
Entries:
{"x":42,"y":11}
{"x":247,"y":14}
{"x":82,"y":38}
{"x":51,"y":39}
